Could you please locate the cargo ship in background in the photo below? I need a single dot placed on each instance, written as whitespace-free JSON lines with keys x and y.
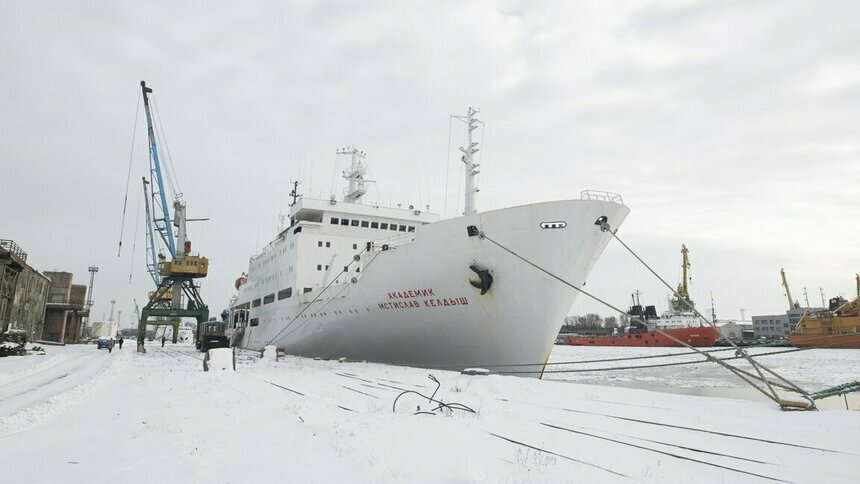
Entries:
{"x":837,"y":327}
{"x":680,"y":323}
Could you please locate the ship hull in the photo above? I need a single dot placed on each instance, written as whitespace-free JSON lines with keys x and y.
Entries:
{"x":702,"y":336}
{"x":414,"y":304}
{"x":832,"y":341}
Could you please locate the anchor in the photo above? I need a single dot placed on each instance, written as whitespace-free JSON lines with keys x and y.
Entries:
{"x":486,"y":279}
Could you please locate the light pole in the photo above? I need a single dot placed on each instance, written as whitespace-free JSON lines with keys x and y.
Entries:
{"x":93,"y":270}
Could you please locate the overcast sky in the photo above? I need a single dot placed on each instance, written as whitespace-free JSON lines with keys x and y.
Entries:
{"x":731,"y":127}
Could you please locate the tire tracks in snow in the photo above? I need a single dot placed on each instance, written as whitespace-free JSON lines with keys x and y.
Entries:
{"x":47,"y":391}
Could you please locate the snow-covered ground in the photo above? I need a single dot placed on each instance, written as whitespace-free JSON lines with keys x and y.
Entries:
{"x":78,"y":414}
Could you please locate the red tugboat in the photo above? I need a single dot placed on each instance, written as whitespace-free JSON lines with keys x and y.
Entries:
{"x":680,"y":323}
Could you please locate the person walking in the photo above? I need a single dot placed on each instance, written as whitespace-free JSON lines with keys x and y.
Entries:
{"x":120,"y":342}
{"x":110,"y":345}
{"x":162,"y":341}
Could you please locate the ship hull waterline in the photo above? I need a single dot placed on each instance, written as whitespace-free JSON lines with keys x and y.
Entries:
{"x":847,"y":341}
{"x":699,"y":337}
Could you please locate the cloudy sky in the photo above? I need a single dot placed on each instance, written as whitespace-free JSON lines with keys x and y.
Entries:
{"x":731,"y":127}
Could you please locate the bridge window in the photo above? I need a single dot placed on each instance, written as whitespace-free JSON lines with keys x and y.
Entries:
{"x":255,"y":303}
{"x":334,"y":220}
{"x":365,"y":223}
{"x":285,"y":293}
{"x":374,"y":225}
{"x":319,"y":243}
{"x":255,"y":321}
{"x":393,"y":227}
{"x":328,"y":244}
{"x":319,"y":267}
{"x":269,"y":299}
{"x":383,"y":226}
{"x":307,"y":289}
{"x":403,"y":228}
{"x":344,"y":221}
{"x":412,"y":228}
{"x":354,"y":223}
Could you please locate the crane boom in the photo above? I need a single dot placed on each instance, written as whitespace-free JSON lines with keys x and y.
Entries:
{"x":683,"y":288}
{"x":163,"y":225}
{"x":791,"y":303}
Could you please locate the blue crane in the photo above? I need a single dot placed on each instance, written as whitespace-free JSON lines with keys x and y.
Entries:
{"x":159,"y":198}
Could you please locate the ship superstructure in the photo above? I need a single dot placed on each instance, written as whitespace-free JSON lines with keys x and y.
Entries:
{"x":399,"y":285}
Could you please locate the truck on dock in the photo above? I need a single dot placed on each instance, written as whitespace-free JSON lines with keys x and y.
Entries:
{"x":211,"y":334}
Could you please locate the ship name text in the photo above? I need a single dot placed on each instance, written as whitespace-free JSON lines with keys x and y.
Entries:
{"x":420,"y":298}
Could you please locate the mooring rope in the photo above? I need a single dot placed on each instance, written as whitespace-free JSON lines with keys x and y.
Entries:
{"x":745,"y":376}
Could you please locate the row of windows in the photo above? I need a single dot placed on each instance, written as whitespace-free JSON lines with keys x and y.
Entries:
{"x":282,"y":294}
{"x":328,"y":244}
{"x":372,"y":225}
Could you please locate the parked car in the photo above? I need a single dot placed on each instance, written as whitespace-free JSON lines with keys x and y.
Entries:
{"x":103,"y":343}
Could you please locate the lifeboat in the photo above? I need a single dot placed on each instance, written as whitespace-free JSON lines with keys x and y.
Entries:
{"x":239,"y":281}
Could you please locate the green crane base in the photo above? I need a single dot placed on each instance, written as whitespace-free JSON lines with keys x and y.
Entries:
{"x":175,"y":315}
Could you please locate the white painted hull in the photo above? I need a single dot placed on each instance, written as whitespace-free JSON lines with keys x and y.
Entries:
{"x":515,"y":323}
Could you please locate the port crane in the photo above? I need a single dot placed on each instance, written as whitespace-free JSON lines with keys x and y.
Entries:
{"x":683,"y":301}
{"x":176,"y":294}
{"x":792,"y":304}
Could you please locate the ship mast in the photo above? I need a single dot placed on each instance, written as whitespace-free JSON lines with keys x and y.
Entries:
{"x":355,"y":175}
{"x":468,"y":159}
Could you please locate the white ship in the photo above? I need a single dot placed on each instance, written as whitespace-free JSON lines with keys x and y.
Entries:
{"x":401,"y":286}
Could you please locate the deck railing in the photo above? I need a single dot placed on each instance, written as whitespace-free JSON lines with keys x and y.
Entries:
{"x":7,"y":245}
{"x":601,"y":196}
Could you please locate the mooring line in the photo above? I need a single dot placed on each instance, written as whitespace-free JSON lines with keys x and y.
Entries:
{"x":604,"y":226}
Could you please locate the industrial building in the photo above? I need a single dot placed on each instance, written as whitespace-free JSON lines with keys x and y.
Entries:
{"x":23,"y":292}
{"x":65,"y":310}
{"x":778,"y":326}
{"x":736,"y":331}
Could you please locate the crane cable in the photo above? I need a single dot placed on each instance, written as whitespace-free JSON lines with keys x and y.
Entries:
{"x":134,"y":239}
{"x":128,"y":177}
{"x":739,"y":373}
{"x":169,"y":165}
